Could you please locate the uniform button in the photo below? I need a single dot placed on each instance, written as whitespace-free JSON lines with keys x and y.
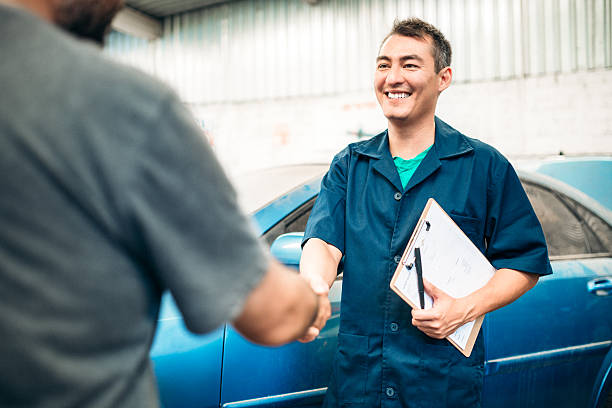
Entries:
{"x":390,"y":392}
{"x":394,"y":327}
{"x":397,"y":258}
{"x":397,"y":196}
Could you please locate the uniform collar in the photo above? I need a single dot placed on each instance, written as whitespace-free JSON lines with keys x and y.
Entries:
{"x":375,"y":147}
{"x":448,"y":143}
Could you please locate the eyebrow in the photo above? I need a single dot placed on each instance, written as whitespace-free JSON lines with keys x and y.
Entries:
{"x":402,"y":59}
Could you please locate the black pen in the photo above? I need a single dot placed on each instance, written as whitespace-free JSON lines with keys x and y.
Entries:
{"x":419,"y":272}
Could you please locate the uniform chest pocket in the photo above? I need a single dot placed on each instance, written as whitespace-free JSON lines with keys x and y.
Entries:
{"x":471,"y":227}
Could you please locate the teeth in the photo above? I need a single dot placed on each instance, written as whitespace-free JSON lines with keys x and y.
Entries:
{"x":397,"y":95}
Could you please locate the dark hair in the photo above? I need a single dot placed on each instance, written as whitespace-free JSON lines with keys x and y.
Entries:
{"x":415,"y":27}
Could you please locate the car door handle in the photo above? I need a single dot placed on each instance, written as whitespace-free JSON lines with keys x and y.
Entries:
{"x":600,"y":286}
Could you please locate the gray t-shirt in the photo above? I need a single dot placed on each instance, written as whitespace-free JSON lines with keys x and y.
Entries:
{"x":109,"y":196}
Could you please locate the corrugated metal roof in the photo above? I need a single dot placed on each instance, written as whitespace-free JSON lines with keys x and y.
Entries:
{"x":164,"y":8}
{"x":266,"y":49}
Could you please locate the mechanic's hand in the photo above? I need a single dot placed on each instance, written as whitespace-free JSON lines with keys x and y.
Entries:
{"x":443,"y":319}
{"x":320,"y":287}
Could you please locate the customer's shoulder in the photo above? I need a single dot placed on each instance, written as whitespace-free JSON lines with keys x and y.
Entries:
{"x":55,"y":62}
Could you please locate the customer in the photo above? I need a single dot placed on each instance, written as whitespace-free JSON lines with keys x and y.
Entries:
{"x":109,"y":197}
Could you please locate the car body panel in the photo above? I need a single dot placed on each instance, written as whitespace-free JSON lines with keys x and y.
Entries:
{"x":187,"y":365}
{"x":249,"y":368}
{"x":546,"y":348}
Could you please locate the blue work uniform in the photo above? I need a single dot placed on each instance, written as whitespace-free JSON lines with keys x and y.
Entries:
{"x":382,"y":360}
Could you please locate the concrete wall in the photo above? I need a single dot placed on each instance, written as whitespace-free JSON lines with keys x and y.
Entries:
{"x":521,"y":117}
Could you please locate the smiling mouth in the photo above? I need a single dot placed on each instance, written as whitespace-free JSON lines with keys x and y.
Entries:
{"x":397,"y":95}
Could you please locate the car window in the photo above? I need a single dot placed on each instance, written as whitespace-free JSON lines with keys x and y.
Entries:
{"x":568,"y":227}
{"x":562,"y":229}
{"x":294,"y":222}
{"x":599,"y":233}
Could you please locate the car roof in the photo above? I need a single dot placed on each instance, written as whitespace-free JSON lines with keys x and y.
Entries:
{"x":258,"y":188}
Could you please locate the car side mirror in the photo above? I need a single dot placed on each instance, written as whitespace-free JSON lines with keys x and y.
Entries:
{"x":287,"y":248}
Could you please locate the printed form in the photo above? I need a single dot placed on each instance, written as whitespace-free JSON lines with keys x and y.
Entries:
{"x":450,"y":261}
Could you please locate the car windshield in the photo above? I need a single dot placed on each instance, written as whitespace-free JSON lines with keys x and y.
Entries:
{"x":260,"y":187}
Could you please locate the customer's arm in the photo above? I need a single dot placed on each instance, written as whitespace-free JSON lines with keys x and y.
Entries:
{"x":281,"y":308}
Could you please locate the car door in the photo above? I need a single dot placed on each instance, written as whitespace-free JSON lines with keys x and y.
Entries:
{"x":546,"y":348}
{"x":187,"y":365}
{"x":290,"y":376}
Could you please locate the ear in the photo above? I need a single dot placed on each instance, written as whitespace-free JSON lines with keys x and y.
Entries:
{"x":445,"y":77}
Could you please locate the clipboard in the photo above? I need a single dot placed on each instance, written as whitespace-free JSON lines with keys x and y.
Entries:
{"x":450,"y":261}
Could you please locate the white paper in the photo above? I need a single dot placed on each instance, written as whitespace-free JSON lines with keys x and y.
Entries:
{"x":449,"y":260}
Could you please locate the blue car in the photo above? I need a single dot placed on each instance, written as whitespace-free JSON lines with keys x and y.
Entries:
{"x":551,"y":348}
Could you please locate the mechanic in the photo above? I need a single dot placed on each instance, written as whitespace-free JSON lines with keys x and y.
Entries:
{"x":369,"y":204}
{"x":110,"y":196}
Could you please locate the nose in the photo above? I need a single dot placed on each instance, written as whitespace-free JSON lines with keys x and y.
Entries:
{"x":394,"y":76}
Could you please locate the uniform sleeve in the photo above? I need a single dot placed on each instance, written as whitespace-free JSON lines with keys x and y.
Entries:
{"x":189,"y":230}
{"x":326,"y":220}
{"x":513,"y":232}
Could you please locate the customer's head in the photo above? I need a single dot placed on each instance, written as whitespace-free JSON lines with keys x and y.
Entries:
{"x":86,"y":18}
{"x":89,"y":19}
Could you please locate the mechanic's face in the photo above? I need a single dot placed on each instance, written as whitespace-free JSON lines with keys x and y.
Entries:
{"x":406,"y":83}
{"x":86,"y":18}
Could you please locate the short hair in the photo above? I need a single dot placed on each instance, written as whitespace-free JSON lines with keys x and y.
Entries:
{"x":415,"y":27}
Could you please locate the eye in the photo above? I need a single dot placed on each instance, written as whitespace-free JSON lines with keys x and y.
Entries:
{"x":382,"y":65}
{"x":410,"y":66}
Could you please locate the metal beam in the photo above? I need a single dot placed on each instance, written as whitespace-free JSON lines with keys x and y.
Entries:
{"x":137,"y":24}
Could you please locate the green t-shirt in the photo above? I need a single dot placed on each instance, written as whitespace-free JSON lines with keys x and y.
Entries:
{"x":406,"y":168}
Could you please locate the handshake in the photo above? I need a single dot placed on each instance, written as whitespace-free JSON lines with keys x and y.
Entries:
{"x":285,"y":307}
{"x":321,"y":289}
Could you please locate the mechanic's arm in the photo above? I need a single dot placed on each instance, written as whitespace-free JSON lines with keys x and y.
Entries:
{"x":448,"y":314}
{"x":281,"y":308}
{"x":319,"y":266}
